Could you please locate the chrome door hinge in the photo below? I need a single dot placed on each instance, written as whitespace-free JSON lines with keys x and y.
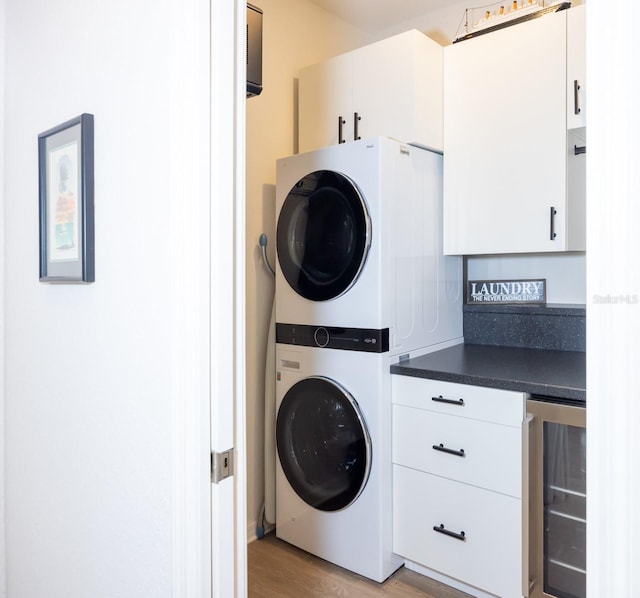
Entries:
{"x":221,"y":465}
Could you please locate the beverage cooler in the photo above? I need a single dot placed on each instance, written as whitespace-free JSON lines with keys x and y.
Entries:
{"x":557,"y":484}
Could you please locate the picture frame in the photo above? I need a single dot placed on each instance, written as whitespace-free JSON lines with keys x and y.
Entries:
{"x":66,"y":193}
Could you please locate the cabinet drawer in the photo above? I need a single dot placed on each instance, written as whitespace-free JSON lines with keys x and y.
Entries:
{"x":489,"y":556}
{"x":476,"y":402}
{"x":485,"y":454}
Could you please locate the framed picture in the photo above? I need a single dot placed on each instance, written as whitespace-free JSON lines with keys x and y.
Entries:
{"x":65,"y":161}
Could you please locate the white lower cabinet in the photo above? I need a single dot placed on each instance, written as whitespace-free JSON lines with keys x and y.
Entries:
{"x":485,"y":550}
{"x":459,"y":507}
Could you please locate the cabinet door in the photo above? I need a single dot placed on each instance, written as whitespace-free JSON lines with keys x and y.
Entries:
{"x":398,"y":89}
{"x":391,"y":88}
{"x":461,"y":400}
{"x":576,"y":67}
{"x":467,"y":450}
{"x":488,"y":550}
{"x":505,"y":140}
{"x":325,"y":93}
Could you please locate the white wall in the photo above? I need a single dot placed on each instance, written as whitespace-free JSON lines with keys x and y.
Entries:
{"x":440,"y":24}
{"x":613,"y":308}
{"x":90,"y":370}
{"x":2,"y":89}
{"x":565,"y":273}
{"x":296,"y":33}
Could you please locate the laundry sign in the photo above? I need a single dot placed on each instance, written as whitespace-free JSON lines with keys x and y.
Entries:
{"x":507,"y":291}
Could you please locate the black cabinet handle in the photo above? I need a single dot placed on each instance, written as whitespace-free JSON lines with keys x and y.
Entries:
{"x":356,"y":120}
{"x":443,"y":449}
{"x":576,"y":105}
{"x":441,"y":399}
{"x":579,"y":149}
{"x":552,"y":223}
{"x":341,"y":122}
{"x":441,"y":529}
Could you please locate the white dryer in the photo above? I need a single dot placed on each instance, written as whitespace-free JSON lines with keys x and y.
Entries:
{"x":333,"y":471}
{"x":359,"y":243}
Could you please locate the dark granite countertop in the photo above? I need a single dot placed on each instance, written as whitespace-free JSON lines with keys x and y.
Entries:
{"x":557,"y":374}
{"x":559,"y":309}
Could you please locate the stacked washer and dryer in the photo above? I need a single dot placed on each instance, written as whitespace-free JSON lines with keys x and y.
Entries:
{"x":361,"y":282}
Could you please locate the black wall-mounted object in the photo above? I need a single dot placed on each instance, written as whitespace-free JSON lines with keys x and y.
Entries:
{"x":254,"y":51}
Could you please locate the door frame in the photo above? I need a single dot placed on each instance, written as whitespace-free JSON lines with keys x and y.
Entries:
{"x":206,"y":138}
{"x":611,"y":329}
{"x":227,"y":294}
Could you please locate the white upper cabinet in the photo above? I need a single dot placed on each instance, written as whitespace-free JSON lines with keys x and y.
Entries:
{"x":391,"y":88}
{"x":325,"y":103}
{"x":576,"y":67}
{"x":507,"y":152}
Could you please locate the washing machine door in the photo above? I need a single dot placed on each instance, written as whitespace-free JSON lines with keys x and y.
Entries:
{"x":323,"y":235}
{"x":323,"y":444}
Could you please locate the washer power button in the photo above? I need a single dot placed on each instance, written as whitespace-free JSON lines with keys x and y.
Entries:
{"x":321,"y":336}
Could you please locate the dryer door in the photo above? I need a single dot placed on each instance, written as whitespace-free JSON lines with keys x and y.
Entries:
{"x":323,"y":235}
{"x":323,"y":444}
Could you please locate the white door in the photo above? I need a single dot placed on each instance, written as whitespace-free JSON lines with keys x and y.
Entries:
{"x":206,"y":224}
{"x":227,"y":301}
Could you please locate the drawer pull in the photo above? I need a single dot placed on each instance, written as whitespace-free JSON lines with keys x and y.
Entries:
{"x":356,"y":119}
{"x":441,"y":399}
{"x":441,"y":529}
{"x":341,"y":122}
{"x":443,"y":449}
{"x":576,"y":96}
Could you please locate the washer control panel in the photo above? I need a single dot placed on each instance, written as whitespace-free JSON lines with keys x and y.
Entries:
{"x":371,"y":340}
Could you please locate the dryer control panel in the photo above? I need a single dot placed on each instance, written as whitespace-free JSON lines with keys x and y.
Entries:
{"x":370,"y":340}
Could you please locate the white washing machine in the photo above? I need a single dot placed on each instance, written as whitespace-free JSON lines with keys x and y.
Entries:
{"x":359,"y":244}
{"x":333,"y":470}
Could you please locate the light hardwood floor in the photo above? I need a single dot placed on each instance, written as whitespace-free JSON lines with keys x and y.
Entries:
{"x":279,"y":570}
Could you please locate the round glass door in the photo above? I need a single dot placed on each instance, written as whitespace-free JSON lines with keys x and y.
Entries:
{"x":323,"y":235}
{"x":323,"y":444}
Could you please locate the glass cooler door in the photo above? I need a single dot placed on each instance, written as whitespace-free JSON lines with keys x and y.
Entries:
{"x":564,"y":510}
